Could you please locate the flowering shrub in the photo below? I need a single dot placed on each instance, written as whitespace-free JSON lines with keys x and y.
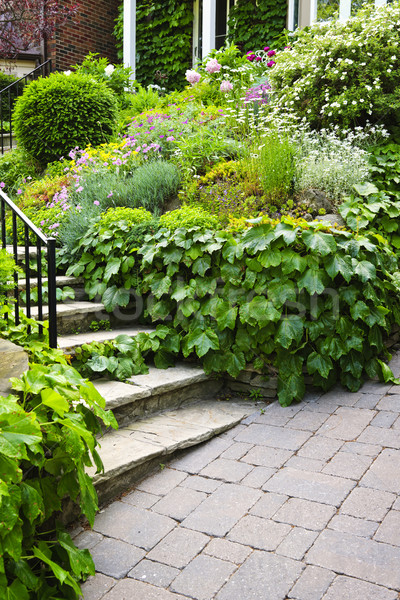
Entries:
{"x":343,"y":73}
{"x":258,"y":94}
{"x":192,"y":76}
{"x":117,"y":77}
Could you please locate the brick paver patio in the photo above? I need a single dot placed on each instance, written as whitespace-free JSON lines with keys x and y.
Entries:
{"x":298,"y":503}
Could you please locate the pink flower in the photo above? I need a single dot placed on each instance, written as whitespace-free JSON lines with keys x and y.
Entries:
{"x":109,"y":195}
{"x":271,"y":53}
{"x":2,"y":185}
{"x":96,"y":203}
{"x":19,"y":191}
{"x":271,"y":63}
{"x":192,"y":76}
{"x":170,"y":138}
{"x":266,"y":48}
{"x":213,"y":66}
{"x":79,"y":189}
{"x":226,"y":86}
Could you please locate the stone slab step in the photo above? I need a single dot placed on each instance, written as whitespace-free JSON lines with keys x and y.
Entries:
{"x":61,"y":281}
{"x":70,"y":342}
{"x":74,"y":316}
{"x":13,"y":362}
{"x":21,"y":252}
{"x":159,"y":390}
{"x":134,"y":450}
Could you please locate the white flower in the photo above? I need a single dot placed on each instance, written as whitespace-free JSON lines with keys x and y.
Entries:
{"x":109,"y":70}
{"x":67,"y":73}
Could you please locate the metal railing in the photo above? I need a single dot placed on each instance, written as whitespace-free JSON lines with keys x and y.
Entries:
{"x":8,"y":96}
{"x":24,"y":252}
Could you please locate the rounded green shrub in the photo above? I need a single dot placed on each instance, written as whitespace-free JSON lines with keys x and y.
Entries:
{"x":188,"y":217}
{"x":131,"y":216}
{"x":343,"y":74}
{"x":61,"y":112}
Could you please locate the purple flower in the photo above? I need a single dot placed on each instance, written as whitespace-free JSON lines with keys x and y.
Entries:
{"x":19,"y":191}
{"x":109,"y":195}
{"x":266,"y":48}
{"x":271,"y":53}
{"x":271,"y":63}
{"x":96,"y":203}
{"x":2,"y":185}
{"x":170,"y":138}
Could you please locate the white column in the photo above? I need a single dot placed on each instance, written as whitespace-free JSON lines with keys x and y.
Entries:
{"x":344,"y":10}
{"x":290,"y":15}
{"x":209,"y":13}
{"x":313,"y":10}
{"x":130,"y":35}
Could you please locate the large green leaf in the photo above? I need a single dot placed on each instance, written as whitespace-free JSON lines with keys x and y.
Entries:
{"x":364,"y":269}
{"x":61,"y":574}
{"x":313,"y":281}
{"x":323,"y":243}
{"x":226,"y":315}
{"x":55,"y":401}
{"x":292,"y":261}
{"x":259,"y":311}
{"x":321,"y":363}
{"x":80,"y":560}
{"x":160,"y":285}
{"x":289,"y":330}
{"x":202,"y":341}
{"x":114,"y":297}
{"x":339,"y":264}
{"x":280,"y":292}
{"x":112,"y":267}
{"x":270,"y":258}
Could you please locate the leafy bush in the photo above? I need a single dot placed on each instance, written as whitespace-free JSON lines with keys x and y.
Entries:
{"x":47,"y":440}
{"x":188,"y":217}
{"x":15,"y":167}
{"x":7,"y":269}
{"x":130,"y":216}
{"x":343,"y":73}
{"x":116,"y":77}
{"x":61,"y":112}
{"x":143,"y":99}
{"x":290,"y":294}
{"x":6,"y":80}
{"x":372,"y":210}
{"x":105,"y":255}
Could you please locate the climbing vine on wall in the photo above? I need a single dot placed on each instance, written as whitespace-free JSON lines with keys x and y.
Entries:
{"x":164,"y":30}
{"x":254,"y":24}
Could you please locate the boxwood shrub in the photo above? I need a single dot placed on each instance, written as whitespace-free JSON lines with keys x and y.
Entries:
{"x":61,"y":112}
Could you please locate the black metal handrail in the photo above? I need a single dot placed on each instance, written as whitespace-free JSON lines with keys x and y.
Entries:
{"x":41,"y":242}
{"x":11,"y":92}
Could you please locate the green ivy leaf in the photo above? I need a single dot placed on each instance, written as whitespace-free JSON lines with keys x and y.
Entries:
{"x":202,"y":341}
{"x":280,"y":292}
{"x":112,"y":267}
{"x":365,"y":270}
{"x":339,"y":264}
{"x":313,"y":281}
{"x":201,"y":265}
{"x":320,"y":363}
{"x":289,"y":330}
{"x":114,"y":297}
{"x":226,"y":315}
{"x":259,"y":311}
{"x":323,"y":243}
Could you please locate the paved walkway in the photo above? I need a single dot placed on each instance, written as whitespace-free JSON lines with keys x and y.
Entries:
{"x":295,"y":503}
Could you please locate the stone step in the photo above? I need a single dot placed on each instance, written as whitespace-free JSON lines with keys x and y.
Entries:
{"x":74,"y":316}
{"x":13,"y":362}
{"x":61,"y":281}
{"x":133,"y":451}
{"x":69,"y":343}
{"x":159,"y":390}
{"x":21,"y":252}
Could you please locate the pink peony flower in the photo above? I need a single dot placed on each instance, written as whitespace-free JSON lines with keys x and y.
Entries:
{"x":266,"y":48}
{"x":192,"y":76}
{"x":271,"y":63}
{"x":226,"y":86}
{"x":271,"y":53}
{"x":213,"y":66}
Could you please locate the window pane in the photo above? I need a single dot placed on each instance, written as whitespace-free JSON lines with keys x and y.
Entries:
{"x":327,"y":9}
{"x":357,"y":4}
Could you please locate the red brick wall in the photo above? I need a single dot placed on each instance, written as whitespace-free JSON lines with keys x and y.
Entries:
{"x":89,"y":31}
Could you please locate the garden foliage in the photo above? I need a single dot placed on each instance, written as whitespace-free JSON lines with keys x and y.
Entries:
{"x":61,"y":112}
{"x":253,"y":23}
{"x":343,"y":74}
{"x":47,"y":439}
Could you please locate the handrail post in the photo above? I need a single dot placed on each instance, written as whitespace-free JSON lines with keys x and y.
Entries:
{"x":52,"y":291}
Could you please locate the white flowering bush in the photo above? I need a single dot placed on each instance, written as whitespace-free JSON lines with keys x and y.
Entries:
{"x":331,"y":163}
{"x":343,"y":73}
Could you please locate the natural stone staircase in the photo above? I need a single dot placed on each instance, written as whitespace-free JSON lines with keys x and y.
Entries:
{"x":158,"y":413}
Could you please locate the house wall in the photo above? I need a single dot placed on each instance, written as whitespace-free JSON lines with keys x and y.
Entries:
{"x":89,"y":31}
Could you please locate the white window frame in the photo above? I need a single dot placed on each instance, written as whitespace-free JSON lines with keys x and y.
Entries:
{"x":310,"y":6}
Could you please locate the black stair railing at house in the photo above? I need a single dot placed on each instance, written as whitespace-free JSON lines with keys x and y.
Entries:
{"x":41,"y":242}
{"x":8,"y":96}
